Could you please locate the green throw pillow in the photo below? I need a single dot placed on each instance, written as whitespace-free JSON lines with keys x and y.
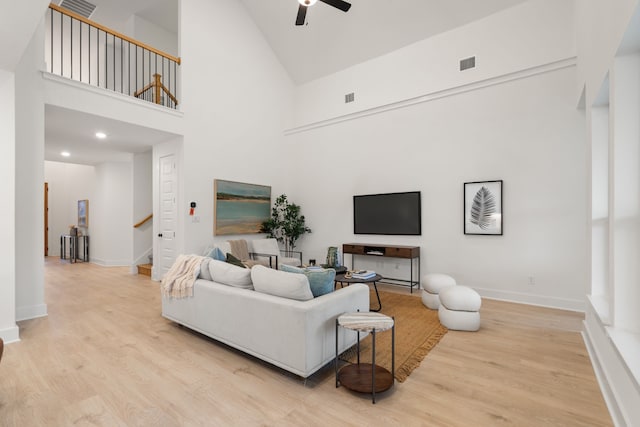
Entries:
{"x":320,"y":281}
{"x":235,"y":261}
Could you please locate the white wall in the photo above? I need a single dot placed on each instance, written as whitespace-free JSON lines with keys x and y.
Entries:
{"x":152,"y":35}
{"x":610,"y":81}
{"x":29,"y":195}
{"x":600,"y":26}
{"x":8,"y":328}
{"x":111,"y":215}
{"x":525,"y":36}
{"x":234,"y":123}
{"x":526,"y":132}
{"x":68,"y":183}
{"x":423,"y":125}
{"x":142,"y":206}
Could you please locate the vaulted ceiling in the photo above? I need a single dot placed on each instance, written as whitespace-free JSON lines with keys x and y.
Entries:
{"x":330,"y":41}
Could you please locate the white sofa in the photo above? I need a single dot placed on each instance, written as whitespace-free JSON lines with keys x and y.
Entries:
{"x":298,"y":336}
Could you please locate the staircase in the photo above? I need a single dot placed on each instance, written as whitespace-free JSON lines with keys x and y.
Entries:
{"x":145,"y":269}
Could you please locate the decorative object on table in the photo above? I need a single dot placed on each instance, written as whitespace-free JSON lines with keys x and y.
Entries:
{"x":460,"y":308}
{"x":483,"y":207}
{"x":83,"y":213}
{"x":418,"y":332}
{"x":432,"y":284}
{"x":333,"y":257}
{"x":286,"y":223}
{"x":312,"y":262}
{"x":239,"y":208}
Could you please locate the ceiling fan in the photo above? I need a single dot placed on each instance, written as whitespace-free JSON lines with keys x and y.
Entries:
{"x":304,"y":4}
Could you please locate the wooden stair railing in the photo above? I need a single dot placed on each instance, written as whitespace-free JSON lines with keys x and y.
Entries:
{"x":83,"y":50}
{"x":143,"y":221}
{"x":157,"y":85}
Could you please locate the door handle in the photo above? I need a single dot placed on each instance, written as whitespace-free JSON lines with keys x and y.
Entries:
{"x":159,"y":234}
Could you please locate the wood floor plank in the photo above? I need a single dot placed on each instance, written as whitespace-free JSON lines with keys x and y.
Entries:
{"x":104,"y":356}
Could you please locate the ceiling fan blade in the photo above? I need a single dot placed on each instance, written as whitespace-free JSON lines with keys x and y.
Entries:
{"x":340,"y":4}
{"x":302,"y":14}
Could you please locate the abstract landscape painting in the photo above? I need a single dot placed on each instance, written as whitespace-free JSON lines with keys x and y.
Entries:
{"x":239,"y":208}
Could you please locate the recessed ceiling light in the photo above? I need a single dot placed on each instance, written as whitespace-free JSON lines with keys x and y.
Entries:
{"x":101,"y":135}
{"x":65,"y":154}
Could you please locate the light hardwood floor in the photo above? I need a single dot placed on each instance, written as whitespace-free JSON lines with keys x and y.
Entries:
{"x":104,"y":356}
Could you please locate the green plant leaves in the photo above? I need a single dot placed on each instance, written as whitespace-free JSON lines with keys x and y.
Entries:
{"x":286,"y":223}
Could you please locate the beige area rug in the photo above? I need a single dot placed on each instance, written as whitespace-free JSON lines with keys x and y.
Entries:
{"x":418,"y":330}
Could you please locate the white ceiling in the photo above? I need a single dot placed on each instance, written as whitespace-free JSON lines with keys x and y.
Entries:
{"x":74,"y":131}
{"x":330,"y":41}
{"x":333,"y":40}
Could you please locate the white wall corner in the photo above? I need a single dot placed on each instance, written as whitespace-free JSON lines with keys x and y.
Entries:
{"x":31,"y":312}
{"x":10,"y":335}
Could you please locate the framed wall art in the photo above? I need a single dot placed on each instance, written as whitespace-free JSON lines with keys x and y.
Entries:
{"x":239,"y":208}
{"x":83,"y":213}
{"x":483,"y":208}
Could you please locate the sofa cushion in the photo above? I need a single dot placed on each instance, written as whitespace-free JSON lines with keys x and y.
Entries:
{"x":229,"y":274}
{"x":204,"y":269}
{"x":320,"y":281}
{"x":281,"y":283}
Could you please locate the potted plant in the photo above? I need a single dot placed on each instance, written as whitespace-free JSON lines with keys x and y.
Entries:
{"x":286,"y":224}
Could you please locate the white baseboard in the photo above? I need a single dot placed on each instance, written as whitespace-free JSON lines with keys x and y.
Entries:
{"x":31,"y":312}
{"x":110,"y":262}
{"x":10,"y":335}
{"x":539,"y":300}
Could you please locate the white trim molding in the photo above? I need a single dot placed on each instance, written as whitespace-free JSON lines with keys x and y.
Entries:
{"x":530,"y":299}
{"x":10,"y":335}
{"x":614,"y":365}
{"x":493,"y":81}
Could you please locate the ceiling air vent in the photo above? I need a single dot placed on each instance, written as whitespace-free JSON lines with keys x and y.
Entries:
{"x":467,"y":63}
{"x":350,"y":97}
{"x":81,"y":7}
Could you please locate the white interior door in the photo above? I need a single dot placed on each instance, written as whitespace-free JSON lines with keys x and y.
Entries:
{"x":168,"y":213}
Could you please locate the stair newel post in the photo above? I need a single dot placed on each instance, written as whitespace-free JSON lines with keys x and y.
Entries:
{"x":158,"y":85}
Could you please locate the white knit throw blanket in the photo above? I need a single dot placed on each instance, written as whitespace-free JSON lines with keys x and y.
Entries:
{"x":178,"y":281}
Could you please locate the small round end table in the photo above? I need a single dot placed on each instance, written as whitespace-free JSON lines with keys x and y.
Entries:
{"x":366,"y":377}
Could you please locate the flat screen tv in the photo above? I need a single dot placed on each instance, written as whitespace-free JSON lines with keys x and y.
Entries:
{"x":390,"y":213}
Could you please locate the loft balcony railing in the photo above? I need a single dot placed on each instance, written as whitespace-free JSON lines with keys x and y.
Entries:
{"x":82,"y":50}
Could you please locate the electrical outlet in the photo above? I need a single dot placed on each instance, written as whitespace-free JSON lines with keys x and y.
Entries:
{"x":532,"y":281}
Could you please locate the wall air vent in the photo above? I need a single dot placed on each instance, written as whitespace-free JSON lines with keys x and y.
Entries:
{"x":467,"y":63}
{"x":350,"y":97}
{"x":81,"y":7}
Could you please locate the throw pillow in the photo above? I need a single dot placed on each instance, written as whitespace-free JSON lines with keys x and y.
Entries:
{"x":320,"y":281}
{"x":235,"y":261}
{"x":229,"y":274}
{"x":216,"y":253}
{"x":281,"y":283}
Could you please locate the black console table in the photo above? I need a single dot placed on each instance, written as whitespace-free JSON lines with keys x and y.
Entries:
{"x":407,"y":252}
{"x":78,"y":247}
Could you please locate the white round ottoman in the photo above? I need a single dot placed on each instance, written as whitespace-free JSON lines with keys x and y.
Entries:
{"x":432,"y":284}
{"x":459,"y":308}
